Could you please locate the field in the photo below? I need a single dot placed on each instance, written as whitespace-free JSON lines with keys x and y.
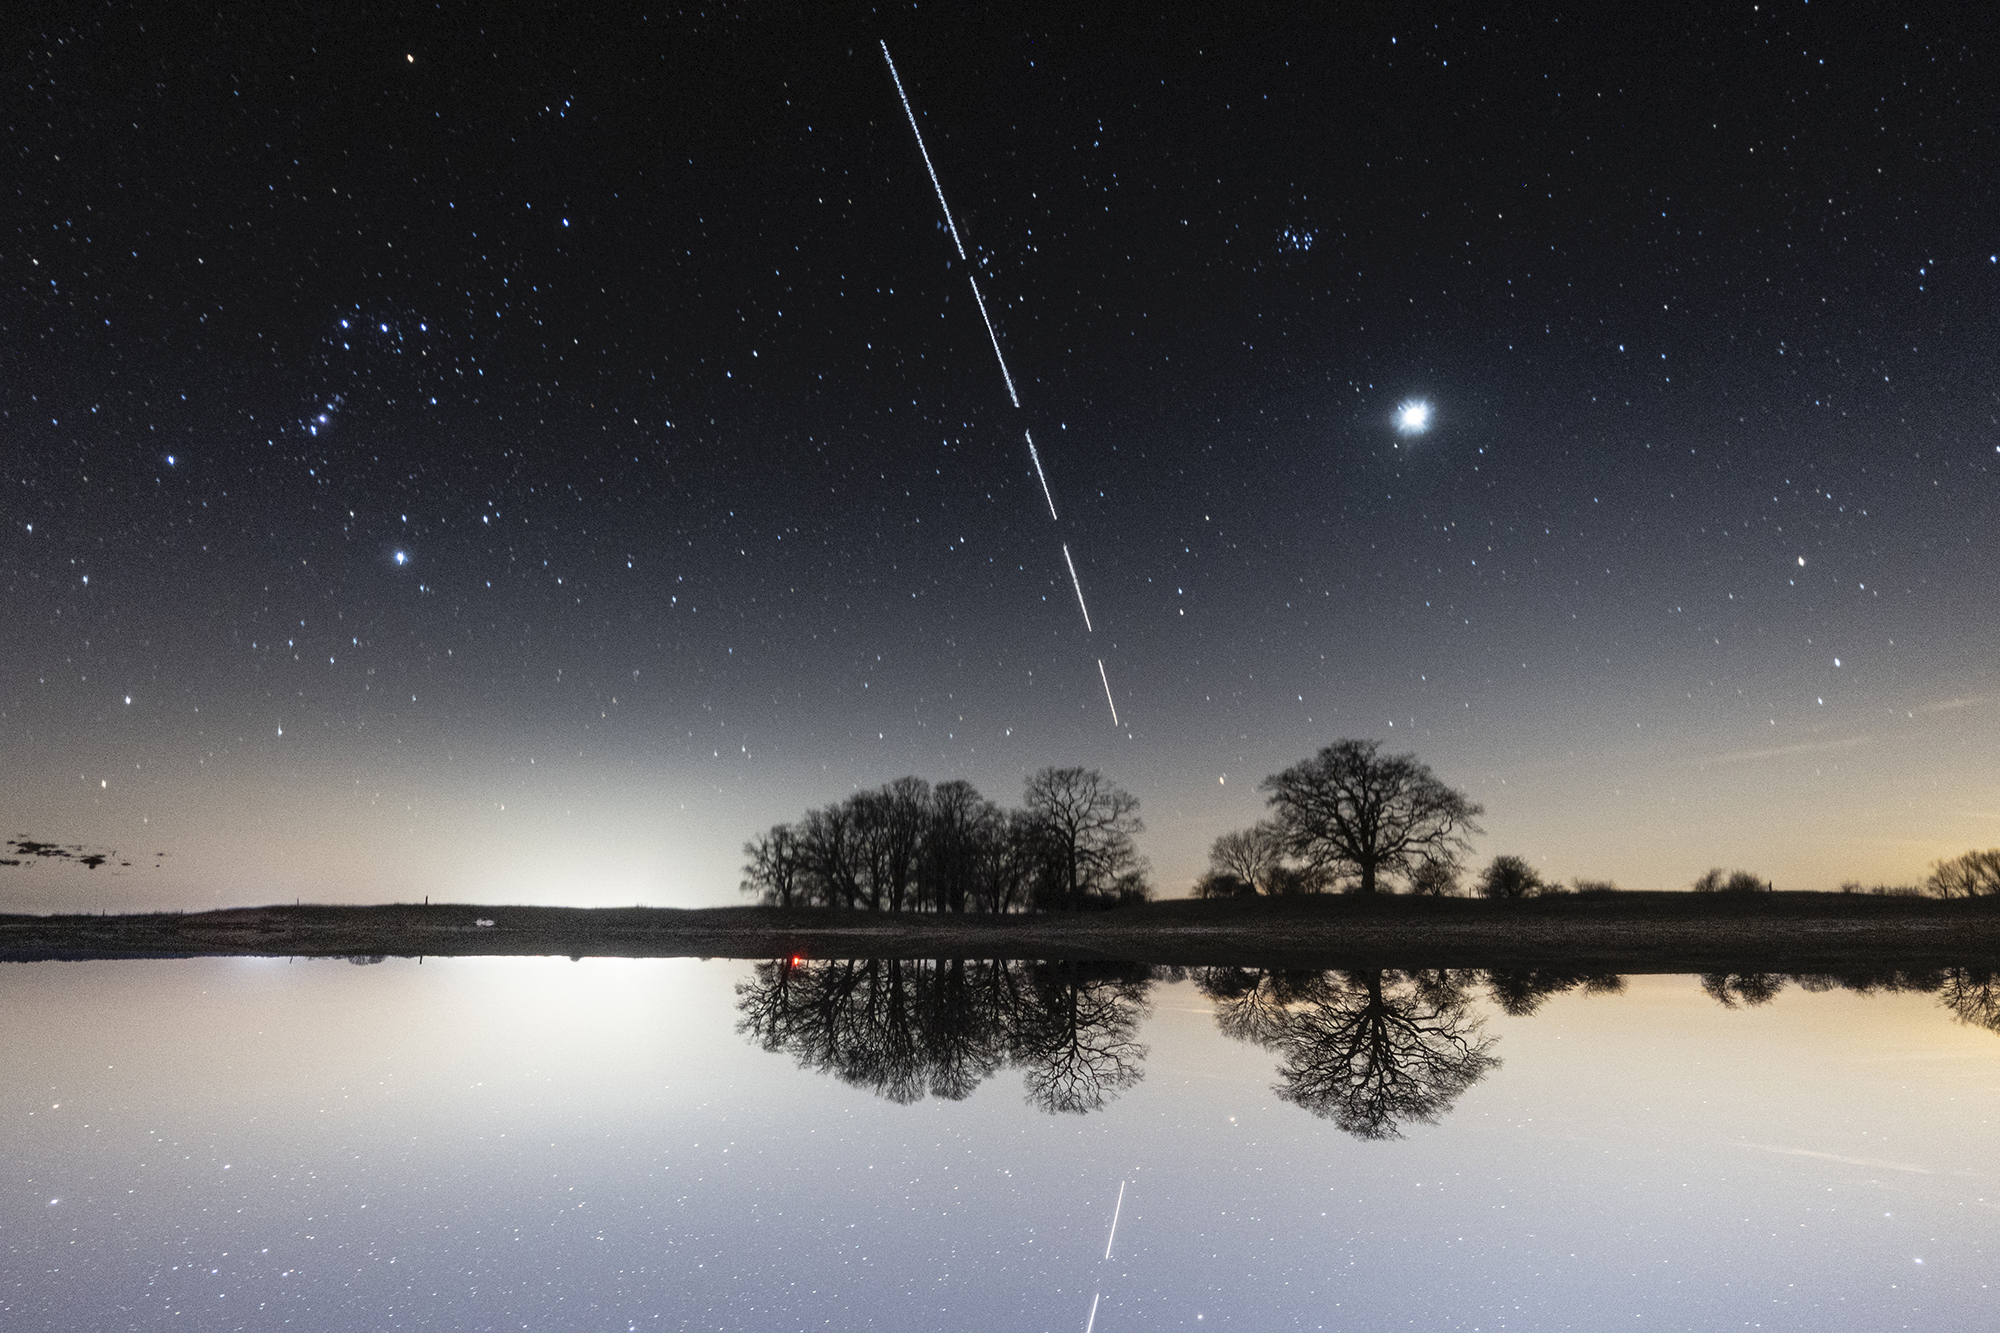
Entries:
{"x":1622,"y":932}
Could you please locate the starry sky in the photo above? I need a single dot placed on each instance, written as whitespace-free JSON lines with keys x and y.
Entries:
{"x":519,"y":456}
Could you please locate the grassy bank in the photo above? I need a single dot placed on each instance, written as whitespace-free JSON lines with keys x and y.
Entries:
{"x":1624,"y":932}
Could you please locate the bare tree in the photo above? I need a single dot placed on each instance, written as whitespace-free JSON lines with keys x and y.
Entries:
{"x":1434,"y":878}
{"x":1355,"y":813}
{"x":1510,"y":877}
{"x":776,"y":869}
{"x":1085,"y":827}
{"x":1972,"y":875}
{"x":1249,"y":854}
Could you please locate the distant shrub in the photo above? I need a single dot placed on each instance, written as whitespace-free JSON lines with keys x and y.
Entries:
{"x":1735,"y":881}
{"x":1884,"y":890}
{"x":1131,"y":888}
{"x":1973,"y":875}
{"x":1291,"y":881}
{"x":1510,"y":877}
{"x":1218,"y":884}
{"x":1434,"y":879}
{"x":1595,"y":888}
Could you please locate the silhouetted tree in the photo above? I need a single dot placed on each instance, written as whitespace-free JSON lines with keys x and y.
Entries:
{"x":1293,"y":881}
{"x":1247,"y":854}
{"x":1736,"y":881}
{"x":1434,"y":877}
{"x":961,"y":831}
{"x":1217,"y":884}
{"x":776,"y":868}
{"x":1355,"y":814}
{"x":1972,"y":875}
{"x":1083,"y":828}
{"x":1509,"y":877}
{"x":906,"y":846}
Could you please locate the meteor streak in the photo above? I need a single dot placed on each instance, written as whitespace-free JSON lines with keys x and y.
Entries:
{"x":1013,"y":395}
{"x":1120,"y":1206}
{"x":1078,"y":585}
{"x":1114,"y":722}
{"x":953,"y":226}
{"x":1038,"y":472}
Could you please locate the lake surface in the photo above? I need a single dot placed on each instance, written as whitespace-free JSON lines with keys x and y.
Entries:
{"x":675,"y":1144}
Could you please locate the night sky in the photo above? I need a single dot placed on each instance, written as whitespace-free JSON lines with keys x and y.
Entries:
{"x":521,"y":458}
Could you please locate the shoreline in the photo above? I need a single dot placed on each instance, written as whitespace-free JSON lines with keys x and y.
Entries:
{"x":1623,"y":932}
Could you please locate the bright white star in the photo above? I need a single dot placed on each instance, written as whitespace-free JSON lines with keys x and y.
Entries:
{"x":1413,"y":417}
{"x":402,"y":557}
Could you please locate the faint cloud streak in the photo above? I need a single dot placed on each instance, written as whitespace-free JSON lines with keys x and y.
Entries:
{"x":1836,"y":1157}
{"x":1779,"y":751}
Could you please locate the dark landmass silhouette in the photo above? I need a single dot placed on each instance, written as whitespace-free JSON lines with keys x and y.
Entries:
{"x":1575,"y":935}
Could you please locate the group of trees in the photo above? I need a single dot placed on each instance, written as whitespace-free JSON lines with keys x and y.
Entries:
{"x":910,"y":846}
{"x":1973,"y":875}
{"x":1349,"y":819}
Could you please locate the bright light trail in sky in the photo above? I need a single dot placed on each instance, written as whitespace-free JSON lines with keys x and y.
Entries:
{"x":1039,"y":474}
{"x":993,"y":335}
{"x":911,"y":113}
{"x":1077,"y":583}
{"x":1012,"y":397}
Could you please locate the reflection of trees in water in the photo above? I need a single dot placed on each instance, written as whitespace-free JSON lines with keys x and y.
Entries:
{"x":1368,"y":1050}
{"x":1969,"y":994}
{"x":1522,"y":991}
{"x":903,"y":1028}
{"x":1730,"y":989}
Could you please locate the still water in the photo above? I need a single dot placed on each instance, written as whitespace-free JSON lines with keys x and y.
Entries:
{"x":674,"y":1144}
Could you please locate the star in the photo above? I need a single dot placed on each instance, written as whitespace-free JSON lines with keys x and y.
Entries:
{"x":1413,"y":417}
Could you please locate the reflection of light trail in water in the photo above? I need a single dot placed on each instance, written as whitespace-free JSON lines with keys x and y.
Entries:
{"x":993,"y":335}
{"x":1098,"y":1295}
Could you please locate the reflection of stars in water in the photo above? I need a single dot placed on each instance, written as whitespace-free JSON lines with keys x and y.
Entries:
{"x":1413,"y":417}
